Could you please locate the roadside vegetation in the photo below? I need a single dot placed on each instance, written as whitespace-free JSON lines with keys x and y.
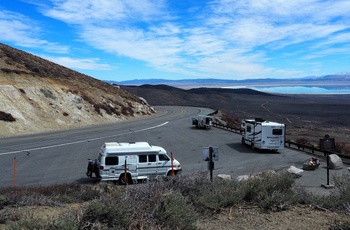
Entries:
{"x":176,"y":203}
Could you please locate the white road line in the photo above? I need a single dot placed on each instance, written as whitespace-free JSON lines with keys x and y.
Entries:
{"x":81,"y":141}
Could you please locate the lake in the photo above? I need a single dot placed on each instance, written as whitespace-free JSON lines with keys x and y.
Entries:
{"x":324,"y":89}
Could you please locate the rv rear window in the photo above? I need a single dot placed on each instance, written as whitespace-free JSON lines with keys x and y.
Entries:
{"x":112,"y":161}
{"x":277,"y":131}
{"x":249,"y":129}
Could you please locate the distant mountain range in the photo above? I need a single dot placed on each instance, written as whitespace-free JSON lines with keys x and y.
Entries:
{"x":335,"y":79}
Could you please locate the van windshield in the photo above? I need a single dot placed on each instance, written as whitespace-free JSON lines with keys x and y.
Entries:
{"x":163,"y":157}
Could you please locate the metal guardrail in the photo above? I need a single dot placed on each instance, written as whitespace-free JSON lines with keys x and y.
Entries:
{"x":291,"y":144}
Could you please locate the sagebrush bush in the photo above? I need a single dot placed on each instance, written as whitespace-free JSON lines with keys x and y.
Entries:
{"x":217,"y":194}
{"x":175,"y":211}
{"x":108,"y":212}
{"x":269,"y":190}
{"x":64,"y":221}
{"x":157,"y":205}
{"x":54,"y":195}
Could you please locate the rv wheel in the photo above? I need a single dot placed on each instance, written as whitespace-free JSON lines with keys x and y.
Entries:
{"x":252,"y":145}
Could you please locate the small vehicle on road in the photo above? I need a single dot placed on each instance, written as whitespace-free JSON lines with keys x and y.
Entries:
{"x":203,"y":121}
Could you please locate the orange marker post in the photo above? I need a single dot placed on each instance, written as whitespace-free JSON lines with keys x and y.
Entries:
{"x":14,"y":172}
{"x":172,"y":164}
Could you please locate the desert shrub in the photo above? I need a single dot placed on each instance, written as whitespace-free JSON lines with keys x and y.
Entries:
{"x":187,"y":185}
{"x":67,"y":220}
{"x":175,"y":211}
{"x":130,"y":105}
{"x":302,"y":140}
{"x":338,"y":200}
{"x":88,"y":99}
{"x":108,"y":108}
{"x":343,"y":148}
{"x":48,"y":93}
{"x":6,"y":117}
{"x":217,"y":195}
{"x":70,"y":193}
{"x":7,"y":215}
{"x":156,"y":205}
{"x":230,"y":120}
{"x":342,"y":183}
{"x":111,"y":211}
{"x":54,"y":195}
{"x":22,"y":91}
{"x":127,"y":111}
{"x":269,"y":190}
{"x":65,"y":114}
{"x":98,"y":106}
{"x":6,"y":70}
{"x":340,"y":226}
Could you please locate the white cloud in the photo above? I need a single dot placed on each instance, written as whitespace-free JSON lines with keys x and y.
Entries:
{"x":103,"y":12}
{"x":22,"y":31}
{"x":83,"y":64}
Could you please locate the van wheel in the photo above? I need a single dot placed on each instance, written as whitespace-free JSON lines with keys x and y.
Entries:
{"x":122,"y":181}
{"x":170,"y":174}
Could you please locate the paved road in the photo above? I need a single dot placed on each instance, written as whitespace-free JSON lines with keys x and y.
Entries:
{"x":61,"y":157}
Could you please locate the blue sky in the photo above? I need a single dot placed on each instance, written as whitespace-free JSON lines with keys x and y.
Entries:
{"x":183,"y":39}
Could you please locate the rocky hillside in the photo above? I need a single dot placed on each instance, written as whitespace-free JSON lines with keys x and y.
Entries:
{"x":37,"y":95}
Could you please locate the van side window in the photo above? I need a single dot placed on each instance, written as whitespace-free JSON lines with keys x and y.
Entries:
{"x":112,"y":160}
{"x":163,"y":157}
{"x":152,"y":158}
{"x":277,"y":131}
{"x":142,"y":158}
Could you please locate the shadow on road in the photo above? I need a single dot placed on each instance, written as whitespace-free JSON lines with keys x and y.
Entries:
{"x":240,"y":148}
{"x":246,"y":149}
{"x":87,"y":180}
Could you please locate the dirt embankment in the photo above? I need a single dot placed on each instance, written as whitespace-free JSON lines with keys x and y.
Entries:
{"x":37,"y":95}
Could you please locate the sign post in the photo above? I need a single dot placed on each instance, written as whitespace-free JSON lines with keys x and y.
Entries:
{"x":327,"y":144}
{"x":125,"y":176}
{"x":211,"y":154}
{"x":211,"y":163}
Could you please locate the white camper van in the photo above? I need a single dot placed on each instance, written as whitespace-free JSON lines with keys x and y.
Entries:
{"x":140,"y":161}
{"x":203,"y":121}
{"x":262,"y":134}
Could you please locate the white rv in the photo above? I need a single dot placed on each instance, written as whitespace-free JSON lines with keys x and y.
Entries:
{"x":125,"y":162}
{"x":262,"y":134}
{"x":203,"y":121}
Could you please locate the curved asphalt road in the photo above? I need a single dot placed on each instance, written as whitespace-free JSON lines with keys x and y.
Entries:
{"x":61,"y":157}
